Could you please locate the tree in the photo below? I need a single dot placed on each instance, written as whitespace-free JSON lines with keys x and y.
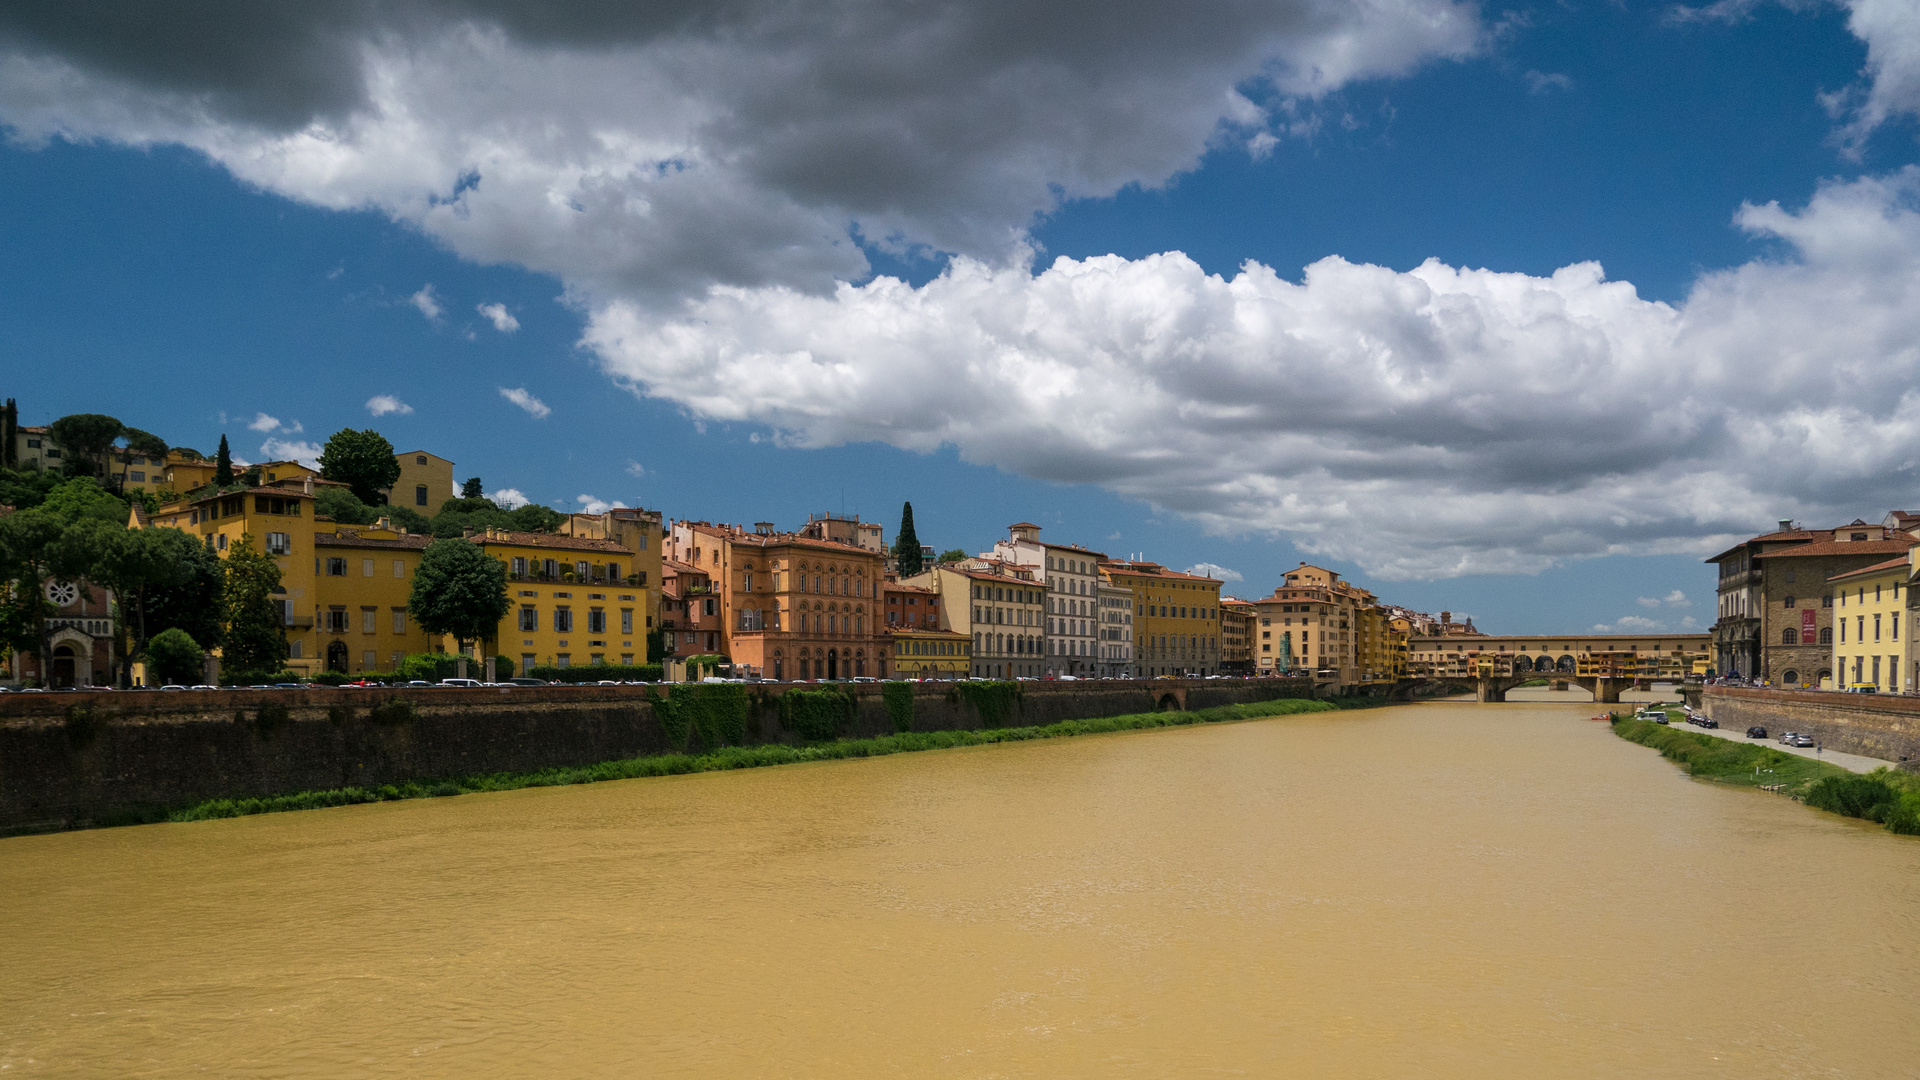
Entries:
{"x":59,"y":540}
{"x":364,"y":461}
{"x":471,"y":489}
{"x":459,"y":590}
{"x":953,"y":555}
{"x":141,"y":444}
{"x":343,"y":506}
{"x":192,"y":602}
{"x":134,"y":563}
{"x":906,"y":546}
{"x":255,"y":632}
{"x":174,"y":657}
{"x":87,"y":440}
{"x":223,"y":466}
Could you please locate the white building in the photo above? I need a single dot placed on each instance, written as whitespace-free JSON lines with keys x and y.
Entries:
{"x":1114,"y":648}
{"x":1072,"y":577}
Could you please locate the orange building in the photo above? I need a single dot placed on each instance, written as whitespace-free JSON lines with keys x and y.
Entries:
{"x":689,"y":610}
{"x":790,"y":606}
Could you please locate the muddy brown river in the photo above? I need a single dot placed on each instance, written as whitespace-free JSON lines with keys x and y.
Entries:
{"x":1435,"y":891}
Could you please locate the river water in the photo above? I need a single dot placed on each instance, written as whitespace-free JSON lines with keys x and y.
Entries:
{"x":1436,"y":890}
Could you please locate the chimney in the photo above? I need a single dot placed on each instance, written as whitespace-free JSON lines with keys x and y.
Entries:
{"x":306,"y":482}
{"x":1786,"y":524}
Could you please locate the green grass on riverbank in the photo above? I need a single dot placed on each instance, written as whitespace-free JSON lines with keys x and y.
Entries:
{"x":1884,"y":795}
{"x":731,"y":757}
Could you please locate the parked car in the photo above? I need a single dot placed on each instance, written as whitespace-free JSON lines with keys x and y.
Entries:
{"x":527,"y":682}
{"x":458,"y":682}
{"x":1756,"y":732}
{"x":1709,"y":722}
{"x":1786,"y":737}
{"x":171,"y":686}
{"x":1800,"y":740}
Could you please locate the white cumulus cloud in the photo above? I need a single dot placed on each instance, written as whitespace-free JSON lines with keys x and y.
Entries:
{"x":426,"y":302}
{"x":509,"y":498}
{"x":388,"y":405}
{"x":500,"y":317}
{"x":592,"y":505}
{"x":1214,"y":570}
{"x":306,"y":453}
{"x":1676,"y":598}
{"x":1647,"y":601}
{"x":1422,"y":422}
{"x":519,"y":396}
{"x":636,"y":469}
{"x":1631,"y":624}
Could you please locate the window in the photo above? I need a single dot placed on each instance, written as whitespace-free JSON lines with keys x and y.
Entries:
{"x":529,"y":619}
{"x":279,"y":543}
{"x":399,"y":620}
{"x":562,"y":620}
{"x":420,"y":495}
{"x":1788,"y":602}
{"x":710,"y":606}
{"x":336,"y":568}
{"x":596,"y":621}
{"x":399,"y":568}
{"x":366,"y":620}
{"x":366,"y":567}
{"x":626,"y":620}
{"x":1789,"y":637}
{"x":519,"y":566}
{"x":420,"y":459}
{"x":336,"y":621}
{"x":1827,"y":600}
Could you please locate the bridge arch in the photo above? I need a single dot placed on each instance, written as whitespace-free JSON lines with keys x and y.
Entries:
{"x":1566,"y":665}
{"x":1522,"y":664}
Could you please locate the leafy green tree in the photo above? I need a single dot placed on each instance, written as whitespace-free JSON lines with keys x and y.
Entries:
{"x":142,"y":444}
{"x":534,"y":518}
{"x":134,"y":563}
{"x":59,"y":540}
{"x":952,"y":555}
{"x":255,"y":634}
{"x":459,"y":590}
{"x":410,"y":519}
{"x":192,"y":602}
{"x":223,"y":466}
{"x":471,"y":489}
{"x":26,"y":490}
{"x":364,"y":461}
{"x":906,"y":546}
{"x":343,"y":506}
{"x":80,"y":499}
{"x":87,"y":440}
{"x":174,"y":657}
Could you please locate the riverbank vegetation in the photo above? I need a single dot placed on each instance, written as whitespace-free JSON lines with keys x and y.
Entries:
{"x":729,"y":757}
{"x":1889,"y":797}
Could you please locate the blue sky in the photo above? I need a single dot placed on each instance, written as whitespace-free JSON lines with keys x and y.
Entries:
{"x":155,"y":272}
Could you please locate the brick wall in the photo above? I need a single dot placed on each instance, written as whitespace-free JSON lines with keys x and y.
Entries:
{"x":1883,"y":727}
{"x":68,"y":760}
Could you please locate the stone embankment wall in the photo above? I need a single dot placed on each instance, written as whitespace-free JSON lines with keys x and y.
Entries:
{"x":1882,"y":727}
{"x":72,"y":760}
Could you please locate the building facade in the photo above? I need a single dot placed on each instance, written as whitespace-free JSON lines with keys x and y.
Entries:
{"x":1869,"y":650}
{"x":426,"y":481}
{"x":1001,"y":608}
{"x":689,"y":611}
{"x":1071,"y":577}
{"x":1176,"y":618}
{"x":1238,"y":630}
{"x":363,"y":578}
{"x":574,"y":600}
{"x":1116,"y":631}
{"x":1797,"y":620}
{"x":280,"y":522}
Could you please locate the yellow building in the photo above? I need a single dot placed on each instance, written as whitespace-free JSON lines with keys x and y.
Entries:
{"x":363,"y":577}
{"x":280,"y":521}
{"x":426,"y":481}
{"x":925,"y":654}
{"x":1176,"y":618}
{"x":576,"y":600}
{"x":999,"y":608}
{"x":1869,"y":606}
{"x":1334,"y":629}
{"x":643,"y":536}
{"x":184,"y":472}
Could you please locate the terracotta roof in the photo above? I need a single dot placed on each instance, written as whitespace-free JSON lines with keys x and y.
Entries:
{"x":675,"y":566}
{"x":348,"y":538}
{"x":1023,"y":525}
{"x":552,"y":541}
{"x":988,"y":575}
{"x":894,"y":586}
{"x":1890,"y":564}
{"x":1089,"y":552}
{"x":1840,"y":547}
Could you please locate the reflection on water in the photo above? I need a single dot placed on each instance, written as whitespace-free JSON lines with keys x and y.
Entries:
{"x":1430,"y":891}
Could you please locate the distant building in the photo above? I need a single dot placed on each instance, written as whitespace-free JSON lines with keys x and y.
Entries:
{"x":1071,"y":575}
{"x":426,"y":481}
{"x":1176,"y":617}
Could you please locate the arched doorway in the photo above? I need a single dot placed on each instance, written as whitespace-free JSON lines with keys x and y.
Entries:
{"x":833,"y":663}
{"x":62,"y":676}
{"x":1522,"y":665}
{"x":337,"y":657}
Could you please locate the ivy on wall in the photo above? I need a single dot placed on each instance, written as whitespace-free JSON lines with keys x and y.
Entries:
{"x":716,"y":713}
{"x":816,"y":715}
{"x":994,"y":702}
{"x":899,"y":700}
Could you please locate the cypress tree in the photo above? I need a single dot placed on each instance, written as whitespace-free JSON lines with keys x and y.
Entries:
{"x":223,"y":466}
{"x":906,"y":546}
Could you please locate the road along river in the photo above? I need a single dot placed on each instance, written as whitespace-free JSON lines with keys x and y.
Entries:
{"x":1439,"y":890}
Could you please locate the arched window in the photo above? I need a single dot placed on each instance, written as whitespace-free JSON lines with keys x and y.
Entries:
{"x":1790,"y":676}
{"x":1826,"y":635}
{"x":1789,"y":601}
{"x":1827,"y":600}
{"x":1789,"y":636}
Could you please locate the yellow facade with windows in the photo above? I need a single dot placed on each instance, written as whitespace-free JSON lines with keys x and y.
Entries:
{"x":927,"y":654}
{"x":280,"y":523}
{"x":640,"y":533}
{"x":426,"y":481}
{"x":363,"y":577}
{"x":1176,"y":618}
{"x":1870,"y":642}
{"x":574,"y":600}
